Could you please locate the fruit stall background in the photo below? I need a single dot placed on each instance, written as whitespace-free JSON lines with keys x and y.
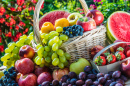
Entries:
{"x":16,"y":16}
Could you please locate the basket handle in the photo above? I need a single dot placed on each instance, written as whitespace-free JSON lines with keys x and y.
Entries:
{"x":37,"y":37}
{"x":106,"y":48}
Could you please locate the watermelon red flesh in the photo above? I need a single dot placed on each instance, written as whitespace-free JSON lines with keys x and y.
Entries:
{"x":52,"y":17}
{"x":119,"y":26}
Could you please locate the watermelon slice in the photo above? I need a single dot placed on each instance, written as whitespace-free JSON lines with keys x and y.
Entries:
{"x":52,"y":17}
{"x":118,"y":26}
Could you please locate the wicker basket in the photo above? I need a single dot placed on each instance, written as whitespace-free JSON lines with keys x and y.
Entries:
{"x":79,"y":46}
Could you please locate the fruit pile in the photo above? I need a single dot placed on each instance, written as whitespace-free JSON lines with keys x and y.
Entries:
{"x":12,"y":51}
{"x":9,"y":78}
{"x":90,"y":77}
{"x":117,"y":53}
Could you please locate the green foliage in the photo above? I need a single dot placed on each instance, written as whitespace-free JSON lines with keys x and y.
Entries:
{"x":108,"y":7}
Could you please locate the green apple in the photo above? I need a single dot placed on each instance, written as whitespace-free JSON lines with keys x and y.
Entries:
{"x":78,"y":66}
{"x":73,"y":18}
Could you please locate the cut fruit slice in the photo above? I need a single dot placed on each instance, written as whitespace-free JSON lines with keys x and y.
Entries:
{"x":52,"y":17}
{"x":118,"y":26}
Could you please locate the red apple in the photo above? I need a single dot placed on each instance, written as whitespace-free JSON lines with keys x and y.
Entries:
{"x":26,"y":51}
{"x":28,"y":80}
{"x":96,"y":15}
{"x":45,"y":76}
{"x":39,"y":70}
{"x":18,"y":76}
{"x":58,"y":73}
{"x":125,"y":68}
{"x":24,"y":66}
{"x":87,"y":23}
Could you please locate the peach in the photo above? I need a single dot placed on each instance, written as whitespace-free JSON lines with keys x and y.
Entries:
{"x":62,"y":22}
{"x":47,"y":27}
{"x":58,"y":73}
{"x":26,"y":51}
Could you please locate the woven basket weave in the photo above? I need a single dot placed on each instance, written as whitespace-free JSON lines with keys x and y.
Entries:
{"x":79,"y":46}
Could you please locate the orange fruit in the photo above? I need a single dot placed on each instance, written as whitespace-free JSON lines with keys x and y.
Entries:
{"x":47,"y":27}
{"x":62,"y":22}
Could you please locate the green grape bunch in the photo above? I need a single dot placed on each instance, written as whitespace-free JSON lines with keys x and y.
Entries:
{"x":50,"y":52}
{"x":12,"y":51}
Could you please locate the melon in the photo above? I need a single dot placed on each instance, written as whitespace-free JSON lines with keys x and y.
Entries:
{"x":118,"y":26}
{"x":52,"y":17}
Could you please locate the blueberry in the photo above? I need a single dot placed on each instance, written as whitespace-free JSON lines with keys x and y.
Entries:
{"x":73,"y":81}
{"x":5,"y":72}
{"x":63,"y":32}
{"x":116,"y":74}
{"x":81,"y":29}
{"x":1,"y":80}
{"x":89,"y":72}
{"x":5,"y":81}
{"x":73,"y":30}
{"x":76,"y":35}
{"x":67,"y":33}
{"x":107,"y":76}
{"x":94,"y":71}
{"x":13,"y":68}
{"x":13,"y":84}
{"x":12,"y":81}
{"x":70,"y":29}
{"x":10,"y":70}
{"x":87,"y":68}
{"x":72,"y":75}
{"x":14,"y":74}
{"x":113,"y":84}
{"x":81,"y":33}
{"x":9,"y":80}
{"x":39,"y":85}
{"x":9,"y":84}
{"x":64,"y":78}
{"x":73,"y":27}
{"x":64,"y":28}
{"x":71,"y":36}
{"x":78,"y":32}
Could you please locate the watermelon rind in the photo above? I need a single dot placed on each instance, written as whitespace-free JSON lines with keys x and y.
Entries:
{"x":111,"y":37}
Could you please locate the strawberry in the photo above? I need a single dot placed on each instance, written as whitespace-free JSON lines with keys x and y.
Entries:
{"x":111,"y":58}
{"x":126,"y":49}
{"x":128,"y":53}
{"x":100,"y":61}
{"x":121,"y":49}
{"x":120,"y":55}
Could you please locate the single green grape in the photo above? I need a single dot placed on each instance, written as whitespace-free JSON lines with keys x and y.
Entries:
{"x":38,"y":45}
{"x":18,"y":44}
{"x":48,"y":59}
{"x":44,"y":41}
{"x":59,"y":43}
{"x":4,"y":63}
{"x":11,"y":46}
{"x":9,"y":62}
{"x":56,"y":39}
{"x":45,"y":53}
{"x":27,"y":41}
{"x":15,"y":56}
{"x":62,"y":58}
{"x":31,"y":34}
{"x":59,"y":29}
{"x":55,"y":47}
{"x":50,"y":54}
{"x":66,"y":63}
{"x":64,"y":37}
{"x":11,"y":43}
{"x":23,"y":36}
{"x":54,"y":55}
{"x":42,"y":61}
{"x":38,"y":61}
{"x":41,"y":65}
{"x":6,"y":56}
{"x":47,"y":48}
{"x":40,"y":49}
{"x":54,"y":32}
{"x":61,"y":65}
{"x":55,"y":61}
{"x":43,"y":35}
{"x":67,"y":55}
{"x":7,"y":50}
{"x":30,"y":37}
{"x":60,"y":52}
{"x":15,"y":50}
{"x":46,"y":36}
{"x":51,"y":42}
{"x":22,"y":40}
